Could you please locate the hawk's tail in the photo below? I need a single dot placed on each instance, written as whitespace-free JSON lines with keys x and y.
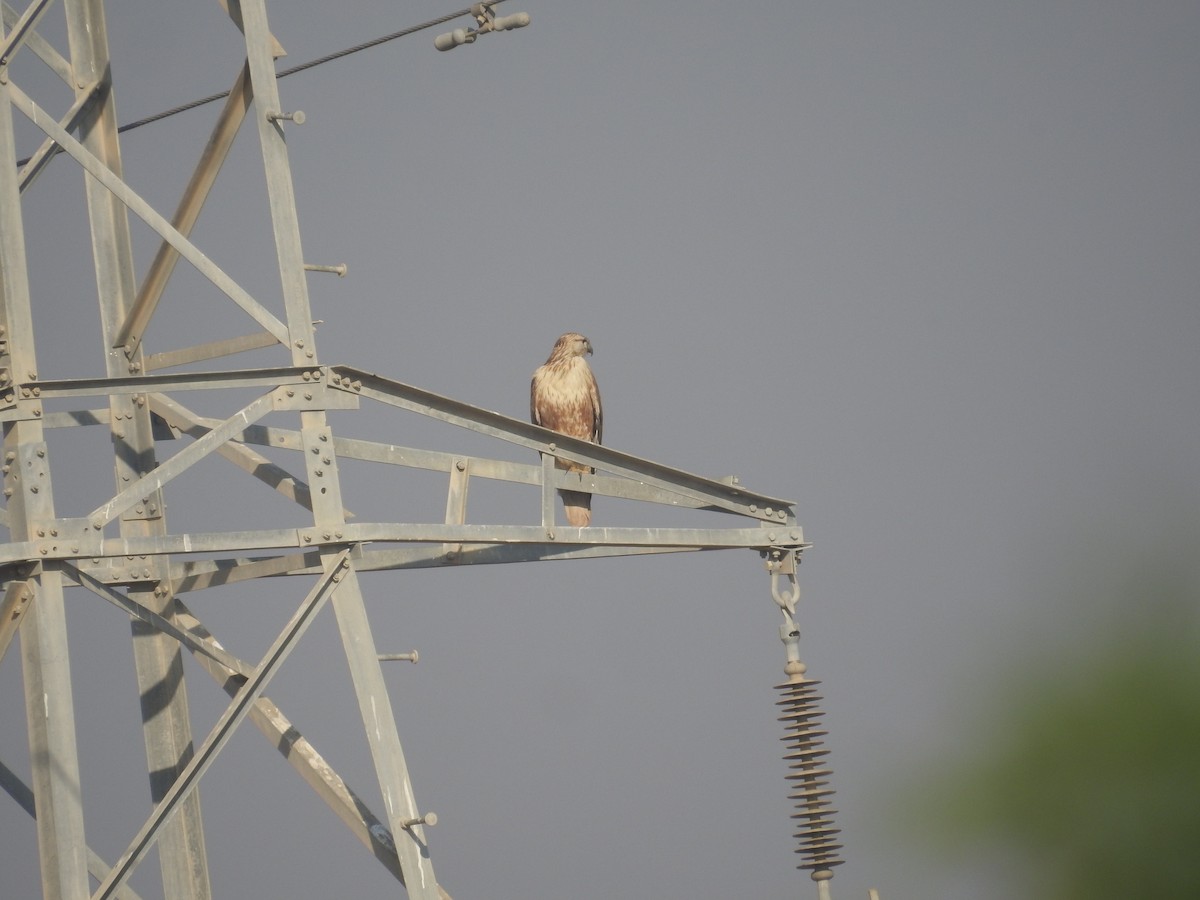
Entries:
{"x":578,"y":506}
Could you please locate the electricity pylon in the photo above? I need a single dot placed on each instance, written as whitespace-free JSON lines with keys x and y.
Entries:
{"x":123,"y":549}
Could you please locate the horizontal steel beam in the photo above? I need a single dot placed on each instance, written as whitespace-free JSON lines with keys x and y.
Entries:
{"x":212,"y":350}
{"x":191,"y":381}
{"x":62,"y":547}
{"x":728,"y":495}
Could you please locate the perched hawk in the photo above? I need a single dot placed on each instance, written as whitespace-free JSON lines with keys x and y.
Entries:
{"x":564,"y":397}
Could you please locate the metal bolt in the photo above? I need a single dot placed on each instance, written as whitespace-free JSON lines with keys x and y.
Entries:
{"x":339,"y":270}
{"x":297,"y":117}
{"x":427,"y":819}
{"x":400,"y":657}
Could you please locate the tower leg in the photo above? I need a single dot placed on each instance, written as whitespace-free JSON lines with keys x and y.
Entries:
{"x":53,"y":753}
{"x":384,"y":740}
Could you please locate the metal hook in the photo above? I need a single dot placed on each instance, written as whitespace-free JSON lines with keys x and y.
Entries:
{"x":786,"y":602}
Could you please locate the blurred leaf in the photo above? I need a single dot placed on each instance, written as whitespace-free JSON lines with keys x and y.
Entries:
{"x":1089,"y":767}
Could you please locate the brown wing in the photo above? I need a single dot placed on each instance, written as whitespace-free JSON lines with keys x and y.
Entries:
{"x":597,"y":409}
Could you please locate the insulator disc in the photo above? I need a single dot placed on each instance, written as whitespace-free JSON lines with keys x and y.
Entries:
{"x":805,"y":757}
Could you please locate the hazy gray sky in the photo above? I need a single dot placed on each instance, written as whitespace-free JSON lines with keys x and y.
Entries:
{"x":927,"y":267}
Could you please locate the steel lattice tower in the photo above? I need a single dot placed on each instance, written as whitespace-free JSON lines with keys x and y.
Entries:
{"x":124,"y":549}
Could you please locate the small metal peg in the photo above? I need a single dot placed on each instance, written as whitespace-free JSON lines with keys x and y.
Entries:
{"x":427,"y":819}
{"x":297,"y":117}
{"x":400,"y":657}
{"x":339,"y":270}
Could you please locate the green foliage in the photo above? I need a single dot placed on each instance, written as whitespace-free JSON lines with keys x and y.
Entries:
{"x":1088,"y":767}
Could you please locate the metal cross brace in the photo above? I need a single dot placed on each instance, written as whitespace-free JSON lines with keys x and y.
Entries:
{"x":223,"y":730}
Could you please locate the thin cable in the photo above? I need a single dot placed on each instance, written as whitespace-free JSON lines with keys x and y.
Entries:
{"x":293,"y":70}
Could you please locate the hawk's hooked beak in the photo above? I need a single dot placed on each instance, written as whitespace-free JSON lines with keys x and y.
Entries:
{"x":589,"y":348}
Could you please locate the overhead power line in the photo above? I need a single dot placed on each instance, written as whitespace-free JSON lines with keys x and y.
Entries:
{"x":366,"y":45}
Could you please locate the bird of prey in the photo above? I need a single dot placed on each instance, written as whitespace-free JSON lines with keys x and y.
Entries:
{"x":563,"y":397}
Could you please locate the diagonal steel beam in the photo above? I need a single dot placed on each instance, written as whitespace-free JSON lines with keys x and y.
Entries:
{"x":42,"y":156}
{"x":153,"y":619}
{"x":223,"y":730}
{"x":42,"y":48}
{"x":12,"y":610}
{"x":303,"y":757}
{"x":233,"y":114}
{"x":181,"y":461}
{"x":23,"y":795}
{"x":23,"y":27}
{"x":178,"y":416}
{"x":148,"y":214}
